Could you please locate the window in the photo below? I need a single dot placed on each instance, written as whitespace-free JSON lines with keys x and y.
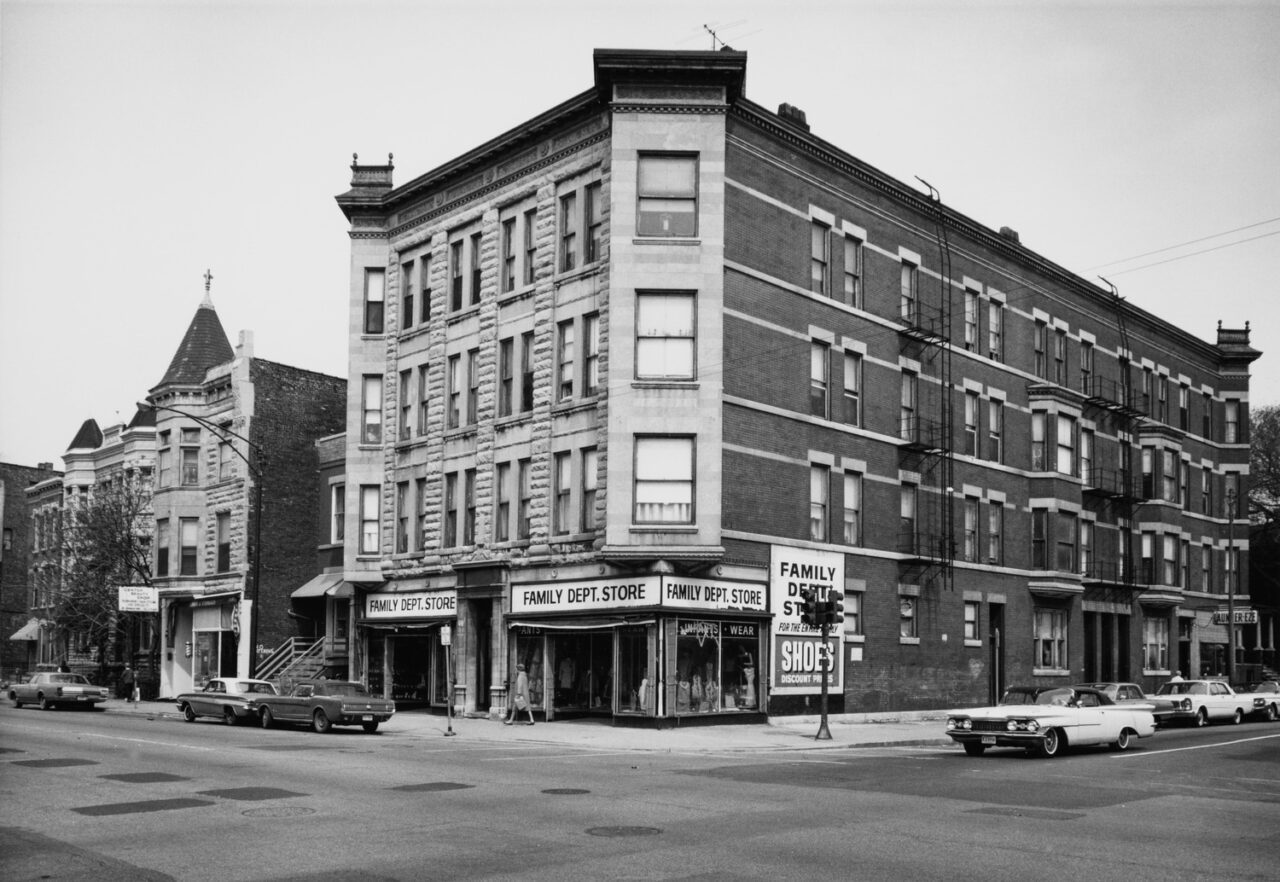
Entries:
{"x":907,"y":518}
{"x":1066,"y":445}
{"x":502,"y":516}
{"x":424,"y":282}
{"x":1086,"y":456}
{"x":1050,"y":641}
{"x":1060,"y":356}
{"x":667,"y":194}
{"x":852,"y":533}
{"x":526,"y":372}
{"x":568,"y":232}
{"x":995,"y":331}
{"x":524,"y":483}
{"x":402,"y":517}
{"x":469,"y":507}
{"x":1206,"y":416}
{"x":337,"y":513}
{"x":475,"y":268}
{"x":473,"y":385}
{"x":456,"y":277}
{"x":852,"y":275}
{"x":1168,"y":476}
{"x":190,"y":469}
{"x":1184,"y":485}
{"x":907,"y":303}
{"x":1041,"y":341}
{"x":590,"y":478}
{"x":1184,"y":563}
{"x":1086,"y":367}
{"x":1037,"y":441}
{"x":406,"y":295}
{"x":375,"y":292}
{"x":406,"y":404}
{"x":853,"y":388}
{"x":1169,"y":560}
{"x":970,"y":528}
{"x":1148,"y":392}
{"x":971,"y":619}
{"x":1162,"y":399}
{"x":971,"y":405}
{"x":853,"y":613}
{"x":162,"y":548}
{"x":563,"y":488}
{"x":664,"y":478}
{"x":1206,"y":491}
{"x":371,"y":407}
{"x":454,"y":392}
{"x":1086,"y":547}
{"x":995,"y":430}
{"x":1206,"y":569}
{"x":907,"y":626}
{"x":420,"y":520}
{"x":907,"y":408}
{"x":1184,"y":408}
{"x":424,"y":401}
{"x":506,"y":375}
{"x":507,"y":241}
{"x":820,"y":258}
{"x":819,"y":354}
{"x":189,"y":545}
{"x":451,"y":510}
{"x":1155,"y":644}
{"x":1067,"y":542}
{"x":370,"y":525}
{"x":1039,"y":539}
{"x":1148,"y":574}
{"x":819,"y":502}
{"x":223,"y":525}
{"x":164,"y":462}
{"x":665,"y":336}
{"x":995,"y":533}
{"x":593,"y":197}
{"x":590,"y":354}
{"x":530,"y":244}
{"x":564,"y":359}
{"x":1231,"y":422}
{"x":225,"y":461}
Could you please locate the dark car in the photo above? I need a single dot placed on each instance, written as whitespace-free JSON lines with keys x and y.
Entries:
{"x":51,"y":689}
{"x":324,"y":704}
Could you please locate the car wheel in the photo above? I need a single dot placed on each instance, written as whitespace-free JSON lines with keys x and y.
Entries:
{"x":13,"y":696}
{"x":1272,"y":713}
{"x":1051,"y":744}
{"x":1123,"y":742}
{"x":45,"y":704}
{"x":268,"y":719}
{"x":188,"y":714}
{"x":229,"y":716}
{"x":1238,"y":718}
{"x":320,"y":721}
{"x":370,"y":727}
{"x":1202,"y":718}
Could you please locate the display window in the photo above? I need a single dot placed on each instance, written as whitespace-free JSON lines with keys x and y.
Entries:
{"x":716,"y":666}
{"x":529,"y":652}
{"x":408,"y":669}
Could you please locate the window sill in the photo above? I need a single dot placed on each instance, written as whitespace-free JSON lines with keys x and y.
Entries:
{"x":855,"y":638}
{"x":664,"y":528}
{"x":463,"y":314}
{"x":665,"y":384}
{"x":563,"y":277}
{"x":977,"y":644}
{"x":1050,"y":672}
{"x":666,"y":240}
{"x":909,"y":641}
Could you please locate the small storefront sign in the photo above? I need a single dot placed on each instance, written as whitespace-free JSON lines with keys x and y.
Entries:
{"x":594,"y":595}
{"x":139,"y":598}
{"x":1242,"y":617}
{"x":798,"y":655}
{"x":412,"y":605}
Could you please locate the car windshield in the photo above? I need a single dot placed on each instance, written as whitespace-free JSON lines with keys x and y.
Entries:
{"x":1055,"y":696}
{"x":1019,"y":696}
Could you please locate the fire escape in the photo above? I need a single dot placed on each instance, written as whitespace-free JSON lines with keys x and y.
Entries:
{"x":926,"y":538}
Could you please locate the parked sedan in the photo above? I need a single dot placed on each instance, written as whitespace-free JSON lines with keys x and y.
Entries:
{"x":324,"y":704}
{"x":1200,"y":702}
{"x":1120,"y":693}
{"x":227,"y":698}
{"x":50,"y":689}
{"x":1266,"y":700}
{"x":1046,"y":720}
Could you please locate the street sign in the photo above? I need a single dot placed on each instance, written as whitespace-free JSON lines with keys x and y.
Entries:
{"x":446,"y":635}
{"x":139,"y":598}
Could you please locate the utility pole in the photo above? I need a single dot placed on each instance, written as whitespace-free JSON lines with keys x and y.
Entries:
{"x":1232,"y":577}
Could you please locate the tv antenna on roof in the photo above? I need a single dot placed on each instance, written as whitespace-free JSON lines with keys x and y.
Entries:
{"x":715,"y":39}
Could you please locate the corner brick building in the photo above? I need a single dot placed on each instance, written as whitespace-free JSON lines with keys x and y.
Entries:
{"x":20,"y":542}
{"x":628,"y":378}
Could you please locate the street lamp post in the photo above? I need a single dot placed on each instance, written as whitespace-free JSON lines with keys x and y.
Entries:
{"x":1232,"y":575}
{"x":255,"y":470}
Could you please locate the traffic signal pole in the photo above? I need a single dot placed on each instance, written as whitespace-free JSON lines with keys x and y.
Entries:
{"x":824,"y":733}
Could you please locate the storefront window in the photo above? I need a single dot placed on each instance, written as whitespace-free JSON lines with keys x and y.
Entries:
{"x":715,"y":666}
{"x":635,"y":674}
{"x":529,"y":653}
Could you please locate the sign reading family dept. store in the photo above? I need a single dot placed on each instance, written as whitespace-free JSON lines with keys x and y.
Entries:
{"x":798,"y":652}
{"x":644,"y":591}
{"x":412,"y":605}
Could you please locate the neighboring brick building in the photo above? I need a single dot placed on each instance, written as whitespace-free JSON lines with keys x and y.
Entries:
{"x":19,"y":542}
{"x":210,"y":402}
{"x":627,"y":377}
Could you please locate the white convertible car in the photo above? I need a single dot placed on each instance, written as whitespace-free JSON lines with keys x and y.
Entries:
{"x":1047,"y":720}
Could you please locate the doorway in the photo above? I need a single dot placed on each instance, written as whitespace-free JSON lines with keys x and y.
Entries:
{"x":995,"y":628}
{"x":583,"y":673}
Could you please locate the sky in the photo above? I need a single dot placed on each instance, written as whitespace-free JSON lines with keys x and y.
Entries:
{"x":143,"y":143}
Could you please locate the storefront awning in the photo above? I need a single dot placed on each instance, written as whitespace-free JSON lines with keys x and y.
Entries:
{"x":325,"y":584}
{"x":29,"y":631}
{"x":580,"y":624}
{"x":398,"y":624}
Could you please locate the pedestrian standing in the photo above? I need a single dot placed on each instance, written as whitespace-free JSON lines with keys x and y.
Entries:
{"x":520,"y":698}
{"x":126,"y":683}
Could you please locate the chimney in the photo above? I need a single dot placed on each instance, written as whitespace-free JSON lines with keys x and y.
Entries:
{"x":793,"y":115}
{"x":1011,"y":234}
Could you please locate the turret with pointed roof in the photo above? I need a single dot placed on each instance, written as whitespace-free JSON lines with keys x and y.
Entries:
{"x":88,"y":438}
{"x":204,"y":345}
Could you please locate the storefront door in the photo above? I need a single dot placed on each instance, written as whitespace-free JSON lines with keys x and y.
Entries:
{"x":582,"y":672}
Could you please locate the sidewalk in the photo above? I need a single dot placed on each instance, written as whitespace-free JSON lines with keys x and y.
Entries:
{"x":918,"y":728}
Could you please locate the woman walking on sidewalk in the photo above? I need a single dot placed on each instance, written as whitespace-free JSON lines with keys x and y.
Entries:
{"x":520,"y":698}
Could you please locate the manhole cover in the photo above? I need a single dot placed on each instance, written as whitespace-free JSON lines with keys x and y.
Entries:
{"x":565,"y":791}
{"x":278,"y":811}
{"x":623,"y":831}
{"x":432,"y":786}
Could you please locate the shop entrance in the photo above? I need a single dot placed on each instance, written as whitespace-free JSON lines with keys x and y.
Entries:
{"x":582,"y":673}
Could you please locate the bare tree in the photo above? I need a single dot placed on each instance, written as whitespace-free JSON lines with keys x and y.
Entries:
{"x":106,"y":543}
{"x":1264,"y":465}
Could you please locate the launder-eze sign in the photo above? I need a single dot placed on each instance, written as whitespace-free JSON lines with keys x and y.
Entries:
{"x":643,"y":591}
{"x":412,"y":605}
